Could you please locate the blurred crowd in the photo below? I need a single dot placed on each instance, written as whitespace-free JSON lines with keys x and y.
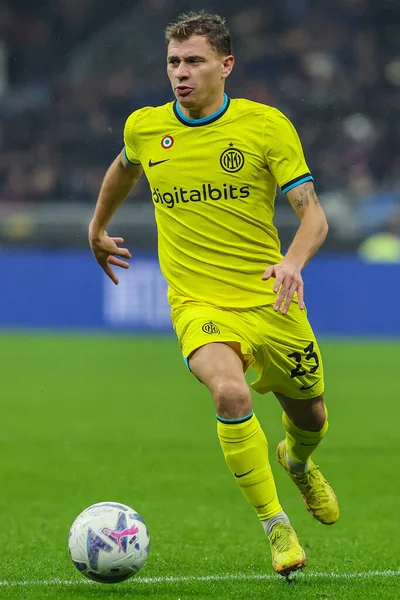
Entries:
{"x":332,"y":66}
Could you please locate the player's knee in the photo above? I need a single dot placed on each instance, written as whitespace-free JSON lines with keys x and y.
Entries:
{"x":315,"y":418}
{"x":317,"y":421}
{"x":309,"y":415}
{"x":232,"y":399}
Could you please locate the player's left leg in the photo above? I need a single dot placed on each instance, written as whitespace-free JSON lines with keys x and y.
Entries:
{"x":290,"y":365}
{"x":306,"y":424}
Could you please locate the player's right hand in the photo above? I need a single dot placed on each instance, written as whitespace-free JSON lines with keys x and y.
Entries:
{"x":106,"y":251}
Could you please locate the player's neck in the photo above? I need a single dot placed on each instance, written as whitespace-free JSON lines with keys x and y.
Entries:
{"x":204,"y":111}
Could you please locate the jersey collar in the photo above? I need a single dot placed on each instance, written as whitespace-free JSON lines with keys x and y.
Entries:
{"x":205,"y":120}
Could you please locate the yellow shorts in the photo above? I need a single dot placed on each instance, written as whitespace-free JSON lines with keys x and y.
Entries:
{"x":282,"y":349}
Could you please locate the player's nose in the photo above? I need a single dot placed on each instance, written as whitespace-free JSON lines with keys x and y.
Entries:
{"x":182,"y":72}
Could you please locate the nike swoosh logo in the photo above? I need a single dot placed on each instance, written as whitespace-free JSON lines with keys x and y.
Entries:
{"x":243,"y":474}
{"x":308,"y":387}
{"x":158,"y":162}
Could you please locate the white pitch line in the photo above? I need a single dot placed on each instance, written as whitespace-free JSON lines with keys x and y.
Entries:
{"x":237,"y":577}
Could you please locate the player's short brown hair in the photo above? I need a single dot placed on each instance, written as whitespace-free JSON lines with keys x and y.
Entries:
{"x":201,"y":23}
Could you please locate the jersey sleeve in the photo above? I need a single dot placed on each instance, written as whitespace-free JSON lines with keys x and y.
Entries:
{"x":284,"y":153}
{"x":131,"y":141}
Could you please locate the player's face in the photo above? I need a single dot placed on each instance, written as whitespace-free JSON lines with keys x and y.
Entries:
{"x":196,"y":71}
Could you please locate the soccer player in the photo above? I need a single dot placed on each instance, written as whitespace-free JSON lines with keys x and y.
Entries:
{"x":213,"y":164}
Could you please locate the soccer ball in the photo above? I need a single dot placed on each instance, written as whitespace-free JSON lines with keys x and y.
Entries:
{"x":109,"y":542}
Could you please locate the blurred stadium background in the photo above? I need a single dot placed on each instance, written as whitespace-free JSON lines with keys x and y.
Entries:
{"x":88,"y":417}
{"x":71,"y":72}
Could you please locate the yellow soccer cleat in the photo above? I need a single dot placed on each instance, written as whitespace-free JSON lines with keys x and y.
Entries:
{"x":319,"y":497}
{"x":287,"y":554}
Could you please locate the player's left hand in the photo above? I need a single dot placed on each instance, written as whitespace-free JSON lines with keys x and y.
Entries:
{"x":288,"y":280}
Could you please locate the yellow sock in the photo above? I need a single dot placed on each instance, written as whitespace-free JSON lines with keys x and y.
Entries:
{"x":246,"y":453}
{"x":300,"y":444}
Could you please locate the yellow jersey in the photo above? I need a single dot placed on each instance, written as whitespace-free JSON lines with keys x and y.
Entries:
{"x":213,"y":183}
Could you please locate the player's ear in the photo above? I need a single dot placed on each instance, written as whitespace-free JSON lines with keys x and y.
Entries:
{"x":227,"y":65}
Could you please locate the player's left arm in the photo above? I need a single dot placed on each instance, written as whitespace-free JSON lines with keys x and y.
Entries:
{"x":308,"y":239}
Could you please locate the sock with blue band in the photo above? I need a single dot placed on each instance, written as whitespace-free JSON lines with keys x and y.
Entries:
{"x":246,"y":453}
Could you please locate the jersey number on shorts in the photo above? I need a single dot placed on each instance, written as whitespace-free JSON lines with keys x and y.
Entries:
{"x":310,"y":355}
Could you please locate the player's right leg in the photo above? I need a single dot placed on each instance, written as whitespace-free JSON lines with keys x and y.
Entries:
{"x":220,"y":367}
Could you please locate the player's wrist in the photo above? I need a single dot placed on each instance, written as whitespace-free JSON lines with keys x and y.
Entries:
{"x":96,"y":231}
{"x":296,"y":261}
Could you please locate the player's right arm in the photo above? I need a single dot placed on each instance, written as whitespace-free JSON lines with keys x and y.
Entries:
{"x":118,"y":182}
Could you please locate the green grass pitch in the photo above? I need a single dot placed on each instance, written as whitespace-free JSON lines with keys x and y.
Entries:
{"x":87,"y":419}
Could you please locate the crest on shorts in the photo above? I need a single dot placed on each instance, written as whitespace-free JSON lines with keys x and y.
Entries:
{"x":232,"y":159}
{"x":210,"y":328}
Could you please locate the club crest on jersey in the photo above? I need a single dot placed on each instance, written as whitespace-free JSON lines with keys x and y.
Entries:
{"x":167,"y":142}
{"x":232,"y":159}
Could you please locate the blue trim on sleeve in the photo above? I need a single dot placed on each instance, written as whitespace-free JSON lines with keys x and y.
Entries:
{"x":235,"y":421}
{"x":204,"y":119}
{"x":296,"y":183}
{"x":129,"y":161}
